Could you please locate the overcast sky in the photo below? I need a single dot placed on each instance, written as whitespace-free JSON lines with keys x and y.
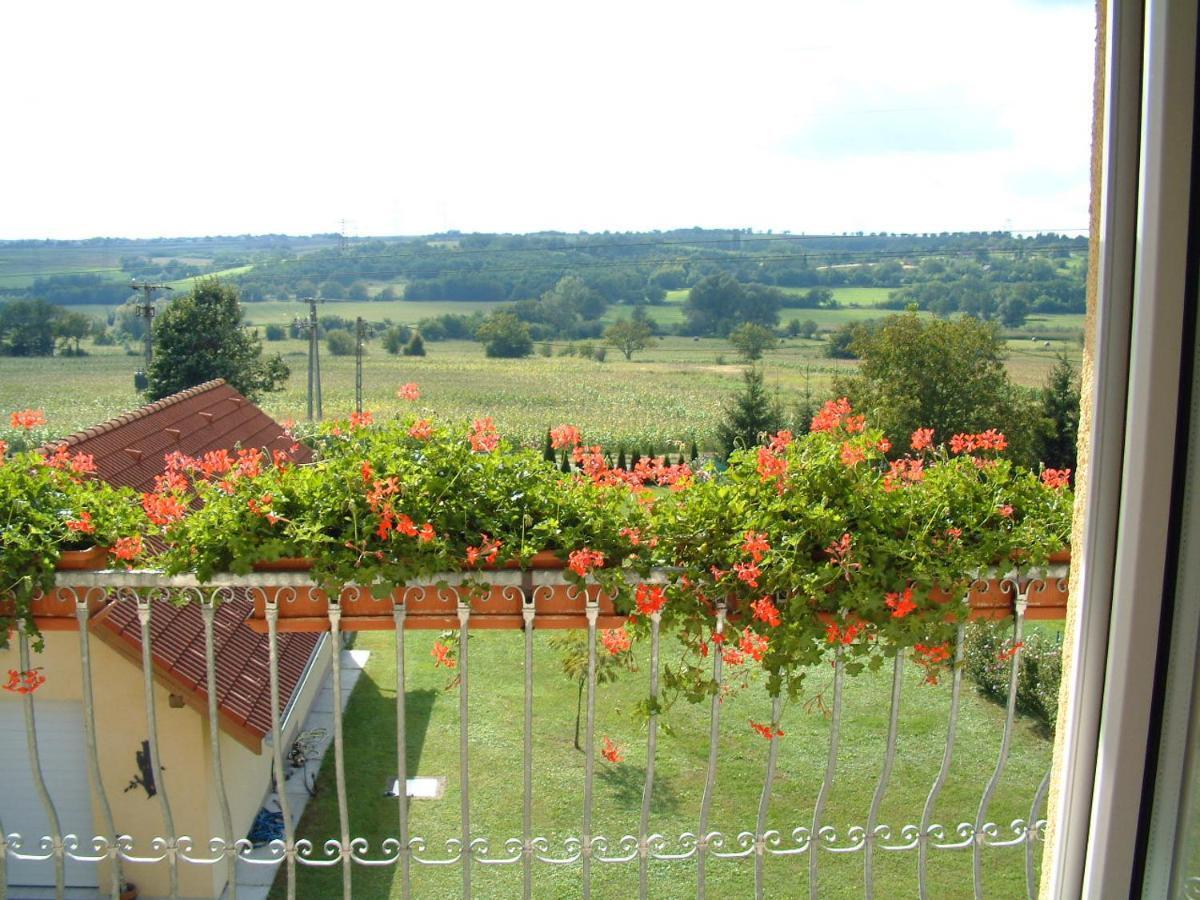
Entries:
{"x":181,"y":118}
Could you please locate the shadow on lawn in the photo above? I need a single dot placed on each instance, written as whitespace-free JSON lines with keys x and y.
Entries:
{"x":626,"y":783}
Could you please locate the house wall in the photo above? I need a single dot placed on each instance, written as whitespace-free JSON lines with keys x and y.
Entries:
{"x":247,"y":776}
{"x":120,"y":715}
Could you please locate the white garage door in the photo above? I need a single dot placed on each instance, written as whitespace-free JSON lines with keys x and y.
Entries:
{"x":64,"y":767}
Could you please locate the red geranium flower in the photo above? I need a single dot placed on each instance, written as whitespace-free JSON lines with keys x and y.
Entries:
{"x":768,"y":731}
{"x":901,"y":604}
{"x":766,"y":611}
{"x":443,"y":656}
{"x":564,"y":436}
{"x":422,"y":430}
{"x":610,"y":751}
{"x":650,"y":598}
{"x":27,"y":419}
{"x":483,"y":437}
{"x":409,"y":391}
{"x":922,"y":439}
{"x":616,"y":640}
{"x":582,"y":561}
{"x":1056,"y":478}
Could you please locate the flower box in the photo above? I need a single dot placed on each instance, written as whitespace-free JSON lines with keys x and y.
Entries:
{"x":55,"y":610}
{"x":431,"y":607}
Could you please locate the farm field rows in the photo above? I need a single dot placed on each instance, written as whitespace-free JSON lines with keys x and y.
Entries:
{"x":671,"y":392}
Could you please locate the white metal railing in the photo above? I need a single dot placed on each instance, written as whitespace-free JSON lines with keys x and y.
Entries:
{"x":469,"y":848}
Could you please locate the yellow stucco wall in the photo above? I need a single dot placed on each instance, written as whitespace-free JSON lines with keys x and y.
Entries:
{"x":1082,"y":476}
{"x":120,"y":716}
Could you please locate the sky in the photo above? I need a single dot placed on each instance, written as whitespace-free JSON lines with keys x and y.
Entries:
{"x":181,"y":118}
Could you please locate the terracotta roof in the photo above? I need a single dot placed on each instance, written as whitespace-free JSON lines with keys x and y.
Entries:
{"x":129,"y":449}
{"x":243,"y":679}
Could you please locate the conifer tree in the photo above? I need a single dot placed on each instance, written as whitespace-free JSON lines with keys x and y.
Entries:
{"x":749,"y":415}
{"x":548,"y":448}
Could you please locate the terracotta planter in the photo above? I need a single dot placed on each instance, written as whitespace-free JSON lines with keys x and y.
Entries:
{"x":89,"y":560}
{"x":55,"y":611}
{"x":429,"y":607}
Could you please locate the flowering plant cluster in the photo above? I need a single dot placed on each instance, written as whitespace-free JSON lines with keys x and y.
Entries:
{"x":829,"y":542}
{"x":838,"y":541}
{"x":49,"y":503}
{"x":391,"y":503}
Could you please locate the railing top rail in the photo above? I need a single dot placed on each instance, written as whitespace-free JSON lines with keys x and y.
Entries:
{"x":153,"y":578}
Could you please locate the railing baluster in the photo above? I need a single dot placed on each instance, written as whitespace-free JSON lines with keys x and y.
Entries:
{"x":651,"y":748}
{"x":1009,"y":716}
{"x":528,"y":611}
{"x":289,"y":834}
{"x":35,"y":766}
{"x":884,"y":776}
{"x":339,"y":745}
{"x":1031,"y":835}
{"x":3,"y":862}
{"x":82,"y":615}
{"x":947,"y":756}
{"x":814,"y":842}
{"x":399,"y":611}
{"x":593,"y":611}
{"x":764,"y":802}
{"x":143,"y":612}
{"x":464,"y":759}
{"x":710,"y":778}
{"x":208,"y":611}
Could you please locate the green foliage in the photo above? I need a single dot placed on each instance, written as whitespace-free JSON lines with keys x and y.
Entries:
{"x":826,"y":528}
{"x":988,"y":651}
{"x":751,"y":340}
{"x":505,"y":336}
{"x":39,"y":497}
{"x":366,"y":530}
{"x":719,"y":303}
{"x":748,"y":415}
{"x":395,"y":337}
{"x":415,"y":345}
{"x":27,"y":327}
{"x":275,"y":332}
{"x":340,"y":342}
{"x":629,"y":336}
{"x":1059,"y":409}
{"x":843,"y":342}
{"x":199,"y":337}
{"x":948,"y":375}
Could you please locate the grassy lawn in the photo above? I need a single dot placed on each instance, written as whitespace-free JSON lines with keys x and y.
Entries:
{"x":495,"y":741}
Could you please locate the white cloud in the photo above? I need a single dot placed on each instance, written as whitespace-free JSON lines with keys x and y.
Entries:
{"x":188,"y":118}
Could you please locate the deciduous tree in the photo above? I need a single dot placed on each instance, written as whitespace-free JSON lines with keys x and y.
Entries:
{"x":199,"y":337}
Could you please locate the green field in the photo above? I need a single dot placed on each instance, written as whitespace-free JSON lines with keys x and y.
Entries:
{"x":671,"y":392}
{"x":495,"y":734}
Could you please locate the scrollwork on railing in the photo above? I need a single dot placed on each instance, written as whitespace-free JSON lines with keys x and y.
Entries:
{"x":745,"y":841}
{"x":417,"y":846}
{"x":572,"y":847}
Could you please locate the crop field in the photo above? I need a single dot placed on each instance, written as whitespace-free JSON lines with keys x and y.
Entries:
{"x":19,"y":266}
{"x":432,"y":728}
{"x":672,"y":392}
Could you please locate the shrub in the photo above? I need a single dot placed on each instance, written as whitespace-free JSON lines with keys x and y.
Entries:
{"x":340,"y":342}
{"x":986,"y":650}
{"x":276,"y":332}
{"x":415,"y":345}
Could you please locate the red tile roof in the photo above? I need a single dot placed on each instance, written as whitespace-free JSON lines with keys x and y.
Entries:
{"x":129,"y":450}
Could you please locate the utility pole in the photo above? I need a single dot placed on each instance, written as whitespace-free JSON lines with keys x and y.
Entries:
{"x":314,"y":358}
{"x":145,"y":310}
{"x":342,"y":237}
{"x":360,"y":337}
